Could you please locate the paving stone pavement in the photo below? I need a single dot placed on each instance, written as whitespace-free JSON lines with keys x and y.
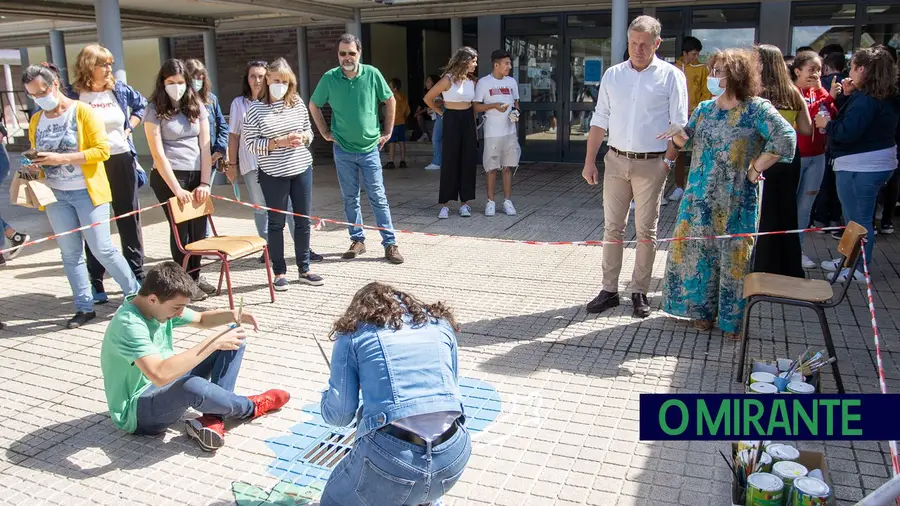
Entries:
{"x":569,"y":381}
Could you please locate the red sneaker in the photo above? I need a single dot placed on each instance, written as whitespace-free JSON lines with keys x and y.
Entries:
{"x":208,"y":431}
{"x":268,"y":401}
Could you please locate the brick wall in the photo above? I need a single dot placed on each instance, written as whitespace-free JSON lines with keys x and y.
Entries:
{"x":235,"y":49}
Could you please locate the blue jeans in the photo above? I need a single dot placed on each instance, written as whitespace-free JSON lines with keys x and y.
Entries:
{"x":349,"y":166}
{"x":208,"y":388}
{"x":812,"y":169}
{"x":385,"y":471}
{"x":858,"y":192}
{"x":260,"y":216}
{"x":74,"y":209}
{"x":282,"y":193}
{"x":437,"y":140}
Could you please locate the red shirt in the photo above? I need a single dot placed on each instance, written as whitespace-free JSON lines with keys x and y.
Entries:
{"x":814,"y":145}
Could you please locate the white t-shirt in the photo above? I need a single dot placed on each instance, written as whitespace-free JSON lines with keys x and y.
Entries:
{"x":60,"y":135}
{"x":247,"y":161}
{"x":106,"y":106}
{"x":491,"y":90}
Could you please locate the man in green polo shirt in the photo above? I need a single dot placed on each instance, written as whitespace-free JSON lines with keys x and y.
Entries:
{"x":149,"y":387}
{"x":354,"y":92}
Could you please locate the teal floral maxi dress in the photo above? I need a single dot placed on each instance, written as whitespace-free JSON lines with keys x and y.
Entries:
{"x":705,"y":279}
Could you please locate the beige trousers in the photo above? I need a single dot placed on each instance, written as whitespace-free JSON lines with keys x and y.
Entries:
{"x":625,"y":180}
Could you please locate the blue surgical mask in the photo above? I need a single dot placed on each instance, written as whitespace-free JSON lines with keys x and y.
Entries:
{"x":48,"y":102}
{"x":197,"y":84}
{"x":712,"y":84}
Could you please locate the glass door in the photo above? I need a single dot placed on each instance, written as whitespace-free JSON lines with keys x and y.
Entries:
{"x":535,"y":66}
{"x":588,"y":59}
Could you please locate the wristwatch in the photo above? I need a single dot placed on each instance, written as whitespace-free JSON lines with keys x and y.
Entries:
{"x":669,"y":163}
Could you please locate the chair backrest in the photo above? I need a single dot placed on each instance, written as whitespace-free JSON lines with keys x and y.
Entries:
{"x":184,"y":212}
{"x":850,"y":246}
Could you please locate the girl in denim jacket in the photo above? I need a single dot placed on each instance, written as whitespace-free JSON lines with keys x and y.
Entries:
{"x":398,"y":357}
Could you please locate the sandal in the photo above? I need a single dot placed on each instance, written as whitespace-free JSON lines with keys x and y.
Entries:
{"x":702,"y":325}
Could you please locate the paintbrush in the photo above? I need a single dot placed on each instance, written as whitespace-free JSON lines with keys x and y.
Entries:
{"x":328,"y":362}
{"x":730,"y":466}
{"x":240,"y":315}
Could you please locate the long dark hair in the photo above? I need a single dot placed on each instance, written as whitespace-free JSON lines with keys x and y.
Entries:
{"x":777,"y":85}
{"x":189,"y":104}
{"x":247,"y":92}
{"x":196,"y":69}
{"x":880,"y":79}
{"x":385,"y":306}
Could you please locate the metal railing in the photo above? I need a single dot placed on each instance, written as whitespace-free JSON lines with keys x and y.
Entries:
{"x":14,"y":113}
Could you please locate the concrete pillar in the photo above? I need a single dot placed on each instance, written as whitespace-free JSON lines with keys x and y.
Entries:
{"x":10,"y":99}
{"x":23,"y":58}
{"x":619,"y":30}
{"x":489,"y":39}
{"x":165,"y":49}
{"x":109,"y":33}
{"x":456,"y":35}
{"x":211,"y":59}
{"x":355,"y":26}
{"x":58,"y":54}
{"x":302,"y":64}
{"x":48,"y":54}
{"x":775,"y":24}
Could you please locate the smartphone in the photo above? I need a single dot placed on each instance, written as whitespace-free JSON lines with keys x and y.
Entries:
{"x":30,"y":154}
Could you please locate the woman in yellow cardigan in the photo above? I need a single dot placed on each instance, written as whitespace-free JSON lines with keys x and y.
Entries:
{"x":71,"y":144}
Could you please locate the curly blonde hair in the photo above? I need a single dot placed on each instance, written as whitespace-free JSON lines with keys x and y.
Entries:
{"x":89,"y":57}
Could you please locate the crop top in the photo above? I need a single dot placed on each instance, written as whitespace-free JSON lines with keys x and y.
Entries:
{"x":460,"y":91}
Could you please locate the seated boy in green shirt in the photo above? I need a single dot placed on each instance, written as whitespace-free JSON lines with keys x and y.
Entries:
{"x":149,"y":386}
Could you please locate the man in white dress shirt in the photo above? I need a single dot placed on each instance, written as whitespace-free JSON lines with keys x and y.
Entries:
{"x":637,"y":99}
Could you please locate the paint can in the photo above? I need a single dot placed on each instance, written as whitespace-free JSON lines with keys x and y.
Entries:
{"x":795,"y":387}
{"x":764,"y":489}
{"x":763,"y":460}
{"x":788,"y":471}
{"x":794,"y":376}
{"x":750,"y":445}
{"x":763,"y":388}
{"x":810,"y":491}
{"x":762,"y":377}
{"x":782,"y":452}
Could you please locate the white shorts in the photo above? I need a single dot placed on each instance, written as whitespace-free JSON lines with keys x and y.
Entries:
{"x":501,"y":152}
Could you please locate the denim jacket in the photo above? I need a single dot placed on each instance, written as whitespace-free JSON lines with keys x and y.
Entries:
{"x":407,"y":372}
{"x":218,"y":127}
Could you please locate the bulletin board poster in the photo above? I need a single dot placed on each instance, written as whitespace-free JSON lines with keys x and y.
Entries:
{"x":593,"y":70}
{"x":524,"y":92}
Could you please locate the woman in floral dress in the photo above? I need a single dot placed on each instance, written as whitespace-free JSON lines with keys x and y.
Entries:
{"x":734,"y":139}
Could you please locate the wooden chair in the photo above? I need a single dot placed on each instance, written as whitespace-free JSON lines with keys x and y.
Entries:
{"x":815,"y":294}
{"x":225,"y":248}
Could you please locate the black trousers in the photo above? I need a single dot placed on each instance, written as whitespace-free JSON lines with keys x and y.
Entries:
{"x":189,"y":231}
{"x":827,"y":207}
{"x":889,"y":197}
{"x":460,"y":157}
{"x":282,"y":193}
{"x":779,"y":254}
{"x":120,"y":171}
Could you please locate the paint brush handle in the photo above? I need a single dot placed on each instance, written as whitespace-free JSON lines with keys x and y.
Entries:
{"x":327,"y":362}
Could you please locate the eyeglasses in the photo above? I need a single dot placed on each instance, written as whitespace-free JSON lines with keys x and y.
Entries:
{"x":107,"y":64}
{"x":717,"y":72}
{"x":347,"y":53}
{"x":43,"y":93}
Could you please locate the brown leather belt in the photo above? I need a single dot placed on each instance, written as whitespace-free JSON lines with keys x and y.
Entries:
{"x":412,"y":437}
{"x":637,"y":156}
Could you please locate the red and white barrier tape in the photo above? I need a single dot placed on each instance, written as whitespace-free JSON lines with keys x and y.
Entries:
{"x":895,"y":457}
{"x":321,"y":220}
{"x":79,"y":229}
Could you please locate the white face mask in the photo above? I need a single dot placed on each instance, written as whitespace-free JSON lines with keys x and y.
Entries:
{"x":278,"y":90}
{"x":197,"y":84}
{"x":176,"y":91}
{"x":48,"y":102}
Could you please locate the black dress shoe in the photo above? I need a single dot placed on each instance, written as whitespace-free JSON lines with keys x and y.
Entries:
{"x":602,"y":302}
{"x":641,"y":305}
{"x":80,"y":319}
{"x":315,"y":257}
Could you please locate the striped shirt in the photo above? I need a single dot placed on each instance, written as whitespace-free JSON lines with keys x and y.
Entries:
{"x":265,"y":122}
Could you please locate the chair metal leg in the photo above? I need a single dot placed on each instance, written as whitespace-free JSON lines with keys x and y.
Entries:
{"x":829,"y":344}
{"x":227,"y":271}
{"x":221,"y":273}
{"x":269,"y":273}
{"x":745,"y":336}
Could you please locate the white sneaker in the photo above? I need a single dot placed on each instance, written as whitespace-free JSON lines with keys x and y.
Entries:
{"x":424,"y":138}
{"x":490,"y":208}
{"x":508,"y":208}
{"x":444,"y":214}
{"x":432,"y":166}
{"x":845,"y":274}
{"x":465,"y":211}
{"x":676,"y":195}
{"x":807,"y":263}
{"x":832,"y":265}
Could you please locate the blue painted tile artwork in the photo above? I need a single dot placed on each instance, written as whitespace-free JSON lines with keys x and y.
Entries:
{"x":307,"y":455}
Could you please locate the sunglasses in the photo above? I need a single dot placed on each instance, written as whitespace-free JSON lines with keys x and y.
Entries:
{"x":347,"y":53}
{"x":258,"y":63}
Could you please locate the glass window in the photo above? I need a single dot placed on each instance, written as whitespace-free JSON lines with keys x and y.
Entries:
{"x":818,"y":37}
{"x":670,"y":20}
{"x":589,"y":59}
{"x":737,"y":15}
{"x":532,"y":23}
{"x":597,"y":19}
{"x":714,"y":39}
{"x":668,"y":49}
{"x":534,"y":60}
{"x":814,"y":12}
{"x":886,"y":33}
